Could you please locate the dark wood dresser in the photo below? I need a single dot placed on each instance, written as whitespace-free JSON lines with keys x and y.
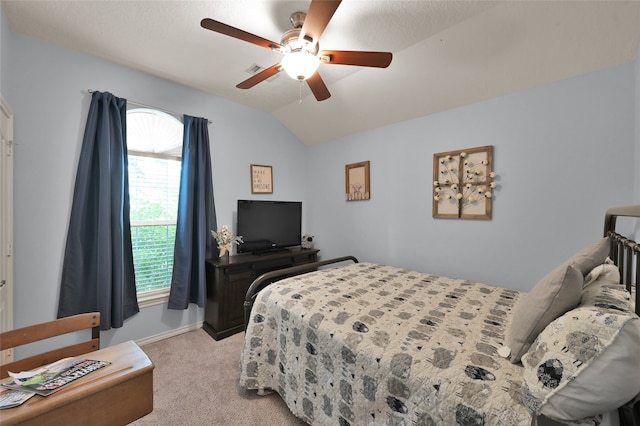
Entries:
{"x":228,"y":282}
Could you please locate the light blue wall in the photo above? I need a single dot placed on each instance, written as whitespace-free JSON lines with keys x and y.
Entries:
{"x":564,"y":153}
{"x":48,"y":94}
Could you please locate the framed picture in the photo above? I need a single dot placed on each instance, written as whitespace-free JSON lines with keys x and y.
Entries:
{"x":261,"y":179}
{"x":357,"y":181}
{"x":463,"y":183}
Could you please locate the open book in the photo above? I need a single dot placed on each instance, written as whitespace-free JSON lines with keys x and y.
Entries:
{"x":51,"y":378}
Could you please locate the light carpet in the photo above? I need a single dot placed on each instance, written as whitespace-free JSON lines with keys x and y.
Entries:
{"x":195,"y":382}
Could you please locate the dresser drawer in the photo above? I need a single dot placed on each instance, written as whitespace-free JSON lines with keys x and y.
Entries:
{"x":229,"y":280}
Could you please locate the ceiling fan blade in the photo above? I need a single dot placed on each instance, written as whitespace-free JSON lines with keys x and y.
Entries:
{"x":318,"y":17}
{"x":260,"y":77}
{"x":360,"y":58}
{"x":317,"y":86}
{"x":225,"y":29}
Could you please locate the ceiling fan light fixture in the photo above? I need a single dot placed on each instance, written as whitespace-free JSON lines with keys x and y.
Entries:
{"x":301,"y":49}
{"x":300,"y":65}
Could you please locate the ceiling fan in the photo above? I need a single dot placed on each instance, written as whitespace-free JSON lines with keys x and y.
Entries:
{"x":301,"y":50}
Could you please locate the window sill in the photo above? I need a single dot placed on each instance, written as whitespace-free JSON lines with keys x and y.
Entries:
{"x":153,"y":297}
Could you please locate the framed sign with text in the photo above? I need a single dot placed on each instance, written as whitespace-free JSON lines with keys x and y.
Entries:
{"x":261,"y":179}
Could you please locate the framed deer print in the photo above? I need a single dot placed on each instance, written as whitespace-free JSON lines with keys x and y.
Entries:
{"x":357,"y":181}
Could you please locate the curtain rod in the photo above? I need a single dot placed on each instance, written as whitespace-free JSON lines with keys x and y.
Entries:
{"x":151,"y":106}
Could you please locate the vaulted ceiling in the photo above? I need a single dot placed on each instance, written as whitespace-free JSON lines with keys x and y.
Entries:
{"x":446,"y":53}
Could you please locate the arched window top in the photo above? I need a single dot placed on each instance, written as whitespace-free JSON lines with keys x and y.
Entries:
{"x":153,"y":131}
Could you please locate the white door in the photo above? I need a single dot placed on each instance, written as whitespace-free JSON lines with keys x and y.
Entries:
{"x":6,"y":223}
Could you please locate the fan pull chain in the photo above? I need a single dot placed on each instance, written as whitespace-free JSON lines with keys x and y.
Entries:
{"x":300,"y":93}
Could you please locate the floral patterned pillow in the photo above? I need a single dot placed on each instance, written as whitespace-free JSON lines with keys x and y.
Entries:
{"x":603,"y":290}
{"x":607,"y":271}
{"x":583,"y":364}
{"x":612,"y":297}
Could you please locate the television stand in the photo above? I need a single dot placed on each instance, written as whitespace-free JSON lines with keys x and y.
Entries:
{"x":229,"y":280}
{"x":271,"y":251}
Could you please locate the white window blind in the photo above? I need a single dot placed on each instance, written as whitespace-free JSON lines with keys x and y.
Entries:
{"x":154,"y":141}
{"x":153,"y":190}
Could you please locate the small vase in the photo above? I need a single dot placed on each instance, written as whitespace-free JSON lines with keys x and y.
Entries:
{"x":224,"y":252}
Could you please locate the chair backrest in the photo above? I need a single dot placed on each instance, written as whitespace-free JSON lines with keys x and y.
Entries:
{"x":34,"y":333}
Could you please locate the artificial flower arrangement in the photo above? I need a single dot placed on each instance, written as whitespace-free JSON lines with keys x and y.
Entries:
{"x":225,"y":238}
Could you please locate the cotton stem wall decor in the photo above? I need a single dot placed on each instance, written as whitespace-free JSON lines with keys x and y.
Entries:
{"x":463,"y":181}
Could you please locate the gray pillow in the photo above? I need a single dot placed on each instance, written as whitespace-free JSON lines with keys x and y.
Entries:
{"x":559,"y":291}
{"x":590,"y":257}
{"x":556,"y":293}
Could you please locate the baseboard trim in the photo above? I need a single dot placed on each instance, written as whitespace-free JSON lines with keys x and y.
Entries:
{"x":167,"y":334}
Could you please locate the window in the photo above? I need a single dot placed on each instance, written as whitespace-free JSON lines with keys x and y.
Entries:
{"x":154,"y":141}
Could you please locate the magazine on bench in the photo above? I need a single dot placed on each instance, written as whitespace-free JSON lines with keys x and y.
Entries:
{"x":51,"y":378}
{"x":10,"y":398}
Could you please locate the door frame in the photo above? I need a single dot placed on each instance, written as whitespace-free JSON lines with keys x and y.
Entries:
{"x":6,"y":223}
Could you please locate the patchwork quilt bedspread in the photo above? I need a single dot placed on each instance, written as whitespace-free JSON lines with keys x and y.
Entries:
{"x":368,"y":344}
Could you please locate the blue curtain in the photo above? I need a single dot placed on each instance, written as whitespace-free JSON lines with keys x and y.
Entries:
{"x":98,"y":273}
{"x":196,"y":218}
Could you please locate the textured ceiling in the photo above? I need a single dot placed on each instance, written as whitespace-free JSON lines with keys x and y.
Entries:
{"x":446,"y":53}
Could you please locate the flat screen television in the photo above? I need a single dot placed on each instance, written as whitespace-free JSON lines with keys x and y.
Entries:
{"x":268,"y":226}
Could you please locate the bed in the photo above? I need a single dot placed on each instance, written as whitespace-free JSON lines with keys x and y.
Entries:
{"x":369,"y":344}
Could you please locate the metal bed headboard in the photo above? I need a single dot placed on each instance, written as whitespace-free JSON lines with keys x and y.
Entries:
{"x":624,"y":251}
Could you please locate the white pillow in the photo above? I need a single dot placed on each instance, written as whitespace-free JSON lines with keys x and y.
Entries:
{"x":583,"y":364}
{"x":607,"y":272}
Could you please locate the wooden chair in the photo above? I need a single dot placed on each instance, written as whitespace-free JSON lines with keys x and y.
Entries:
{"x":34,"y":333}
